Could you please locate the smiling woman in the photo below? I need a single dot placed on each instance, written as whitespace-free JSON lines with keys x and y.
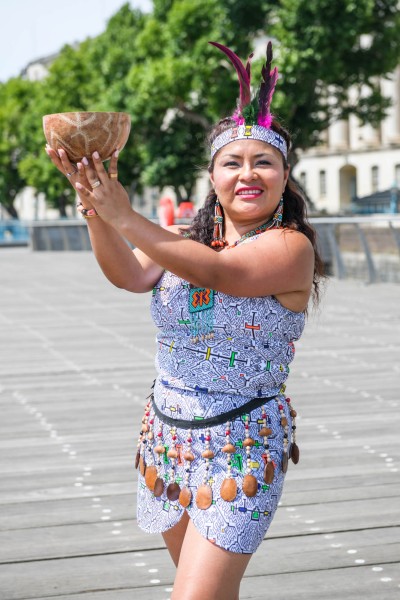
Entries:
{"x":229,"y":298}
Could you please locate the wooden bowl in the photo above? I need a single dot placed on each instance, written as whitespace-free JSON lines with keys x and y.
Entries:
{"x":81,"y":133}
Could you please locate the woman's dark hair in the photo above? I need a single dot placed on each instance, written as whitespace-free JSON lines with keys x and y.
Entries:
{"x":294,"y":207}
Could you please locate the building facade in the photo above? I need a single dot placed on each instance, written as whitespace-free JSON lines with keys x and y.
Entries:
{"x":354,"y":160}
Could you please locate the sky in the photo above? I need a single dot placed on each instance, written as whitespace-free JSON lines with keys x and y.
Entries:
{"x":32,"y":29}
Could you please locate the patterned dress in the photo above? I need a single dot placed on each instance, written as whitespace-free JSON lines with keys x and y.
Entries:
{"x":247,"y":357}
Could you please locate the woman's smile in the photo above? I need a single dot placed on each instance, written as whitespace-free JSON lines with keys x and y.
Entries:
{"x":250,"y":192}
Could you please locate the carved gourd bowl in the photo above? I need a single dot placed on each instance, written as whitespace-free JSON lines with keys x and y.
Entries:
{"x":81,"y":133}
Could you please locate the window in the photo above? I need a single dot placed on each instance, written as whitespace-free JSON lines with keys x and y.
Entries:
{"x":397,"y":175}
{"x":374,"y":179}
{"x":303,"y":180}
{"x":322,"y":183}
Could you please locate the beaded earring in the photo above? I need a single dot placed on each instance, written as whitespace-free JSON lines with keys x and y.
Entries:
{"x":218,"y":240}
{"x":278,"y":215}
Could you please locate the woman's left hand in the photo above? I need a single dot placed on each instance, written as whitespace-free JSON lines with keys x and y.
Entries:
{"x":107,"y":195}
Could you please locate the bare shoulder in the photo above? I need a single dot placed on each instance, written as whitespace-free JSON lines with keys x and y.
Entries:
{"x":178,"y":229}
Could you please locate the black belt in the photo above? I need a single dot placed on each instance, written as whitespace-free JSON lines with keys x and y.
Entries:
{"x":200,"y":422}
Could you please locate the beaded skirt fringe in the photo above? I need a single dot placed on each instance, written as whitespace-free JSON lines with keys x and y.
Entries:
{"x":167,"y":457}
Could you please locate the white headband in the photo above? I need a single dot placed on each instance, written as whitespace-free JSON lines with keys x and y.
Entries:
{"x":249,"y":132}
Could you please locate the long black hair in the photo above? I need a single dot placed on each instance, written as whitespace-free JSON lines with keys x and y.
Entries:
{"x":294,"y":207}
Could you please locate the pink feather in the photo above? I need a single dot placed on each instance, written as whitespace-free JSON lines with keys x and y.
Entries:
{"x":242,"y":72}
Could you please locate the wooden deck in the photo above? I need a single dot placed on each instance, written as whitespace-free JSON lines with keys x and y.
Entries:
{"x":76,"y":362}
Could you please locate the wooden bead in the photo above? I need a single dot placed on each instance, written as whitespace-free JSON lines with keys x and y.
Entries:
{"x":265,"y":432}
{"x":159,"y":449}
{"x":293,"y":413}
{"x":150,"y":435}
{"x":150,"y":477}
{"x":284,"y":421}
{"x":189,"y":456}
{"x":285,"y":462}
{"x":207,"y":454}
{"x":204,"y":496}
{"x":269,"y":473}
{"x":228,"y":489}
{"x":229,"y":449}
{"x":185,"y":497}
{"x":145,"y":427}
{"x":295,"y":453}
{"x":158,"y":487}
{"x":172,"y":453}
{"x":173,"y":491}
{"x":248,"y":442}
{"x":137,"y":459}
{"x":250,"y":486}
{"x":142,"y":466}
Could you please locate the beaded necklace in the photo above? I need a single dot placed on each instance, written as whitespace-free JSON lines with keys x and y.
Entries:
{"x":255,"y":231}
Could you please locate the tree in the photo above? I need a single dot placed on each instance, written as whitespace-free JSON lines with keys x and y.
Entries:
{"x":15,"y":99}
{"x":331,"y":56}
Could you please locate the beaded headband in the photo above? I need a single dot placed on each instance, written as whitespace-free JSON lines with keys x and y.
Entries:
{"x":252,"y":116}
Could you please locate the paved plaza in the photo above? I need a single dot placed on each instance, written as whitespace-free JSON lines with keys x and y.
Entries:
{"x":76,"y":363}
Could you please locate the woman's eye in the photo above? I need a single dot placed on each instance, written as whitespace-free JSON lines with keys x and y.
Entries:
{"x":231,"y":163}
{"x":263,"y":162}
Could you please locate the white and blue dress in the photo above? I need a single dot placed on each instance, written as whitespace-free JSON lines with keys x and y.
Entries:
{"x":244,"y":355}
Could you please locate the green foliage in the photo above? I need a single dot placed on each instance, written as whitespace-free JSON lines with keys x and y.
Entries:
{"x":15,"y":101}
{"x":159,"y":68}
{"x":324,"y":49}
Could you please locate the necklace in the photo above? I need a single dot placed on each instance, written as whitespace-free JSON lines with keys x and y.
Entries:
{"x":255,"y":231}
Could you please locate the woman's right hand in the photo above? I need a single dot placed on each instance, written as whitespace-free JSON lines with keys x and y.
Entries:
{"x":73,"y":173}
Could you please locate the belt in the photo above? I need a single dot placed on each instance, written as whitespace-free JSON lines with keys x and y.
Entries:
{"x":200,"y":422}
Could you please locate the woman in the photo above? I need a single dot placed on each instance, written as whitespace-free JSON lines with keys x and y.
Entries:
{"x":229,"y":297}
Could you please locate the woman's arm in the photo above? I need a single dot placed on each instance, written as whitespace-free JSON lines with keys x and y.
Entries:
{"x":133,"y":271}
{"x":278,"y":262}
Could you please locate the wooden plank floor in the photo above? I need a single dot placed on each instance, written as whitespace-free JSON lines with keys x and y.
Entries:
{"x":76,"y":362}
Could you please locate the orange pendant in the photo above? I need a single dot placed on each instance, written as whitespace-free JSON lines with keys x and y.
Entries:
{"x":204,"y":496}
{"x":250,"y":486}
{"x":150,"y":477}
{"x":228,"y":489}
{"x":185,"y":497}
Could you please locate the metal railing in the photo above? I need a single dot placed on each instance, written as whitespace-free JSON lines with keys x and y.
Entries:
{"x":361,"y":247}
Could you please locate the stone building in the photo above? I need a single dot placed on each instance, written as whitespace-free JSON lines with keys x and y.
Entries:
{"x":354,"y":161}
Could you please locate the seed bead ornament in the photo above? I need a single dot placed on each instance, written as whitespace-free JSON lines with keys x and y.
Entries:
{"x":185,"y":496}
{"x":250,"y":483}
{"x":264,"y":433}
{"x":204,"y":491}
{"x":151,"y":469}
{"x":229,"y":486}
{"x":294,"y":449}
{"x":159,"y":450}
{"x":173,"y":489}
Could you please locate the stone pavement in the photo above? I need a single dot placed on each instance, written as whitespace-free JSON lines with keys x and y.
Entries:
{"x":76,"y":362}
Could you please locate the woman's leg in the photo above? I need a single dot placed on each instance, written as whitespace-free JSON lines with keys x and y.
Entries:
{"x":206,"y":570}
{"x":173,"y":538}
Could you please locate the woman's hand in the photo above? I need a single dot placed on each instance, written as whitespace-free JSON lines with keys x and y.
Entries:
{"x":103,"y":191}
{"x":75,"y":174}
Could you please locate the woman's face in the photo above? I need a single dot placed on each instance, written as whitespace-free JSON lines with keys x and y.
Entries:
{"x":249,"y":179}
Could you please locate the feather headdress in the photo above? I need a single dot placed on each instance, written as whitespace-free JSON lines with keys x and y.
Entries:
{"x":252,"y":116}
{"x":256,"y":111}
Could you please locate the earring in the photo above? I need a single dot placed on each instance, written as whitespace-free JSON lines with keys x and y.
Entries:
{"x":278,"y":215}
{"x":218,"y":236}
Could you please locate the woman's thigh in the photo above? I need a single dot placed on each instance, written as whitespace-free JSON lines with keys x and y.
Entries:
{"x":174,"y":537}
{"x":206,"y":570}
